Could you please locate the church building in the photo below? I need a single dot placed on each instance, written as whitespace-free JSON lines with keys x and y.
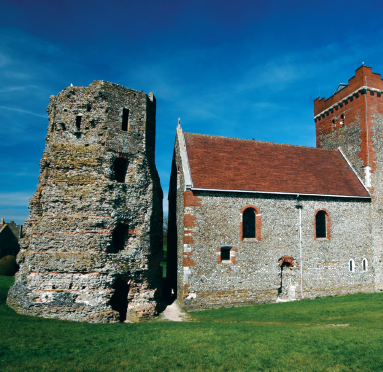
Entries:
{"x":253,"y":221}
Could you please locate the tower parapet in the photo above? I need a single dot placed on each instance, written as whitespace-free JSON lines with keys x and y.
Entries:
{"x":93,"y":239}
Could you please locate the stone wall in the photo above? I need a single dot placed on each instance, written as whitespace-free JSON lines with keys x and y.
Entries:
{"x":93,"y":239}
{"x":253,"y":273}
{"x":208,"y":222}
{"x":361,"y":137}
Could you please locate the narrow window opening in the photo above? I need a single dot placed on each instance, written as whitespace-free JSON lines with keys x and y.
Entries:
{"x":364,"y":264}
{"x":78,"y":122}
{"x":125,"y":119}
{"x":249,"y":227}
{"x":225,"y":253}
{"x":371,"y":92}
{"x":120,"y":166}
{"x":320,"y":224}
{"x":119,"y":238}
{"x":351,"y":266}
{"x":119,"y":300}
{"x":342,"y":119}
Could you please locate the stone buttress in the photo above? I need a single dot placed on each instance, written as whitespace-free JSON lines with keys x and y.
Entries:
{"x":93,"y":239}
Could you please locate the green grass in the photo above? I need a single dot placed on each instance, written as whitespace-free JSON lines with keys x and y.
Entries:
{"x":271,"y":337}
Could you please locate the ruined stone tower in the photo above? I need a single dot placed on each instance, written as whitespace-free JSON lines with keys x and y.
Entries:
{"x":352,"y":118}
{"x":93,"y":239}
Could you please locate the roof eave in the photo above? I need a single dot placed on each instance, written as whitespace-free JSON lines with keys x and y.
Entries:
{"x":282,"y":193}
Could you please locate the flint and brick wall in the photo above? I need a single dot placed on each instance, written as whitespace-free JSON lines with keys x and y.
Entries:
{"x":255,"y":274}
{"x":209,"y":221}
{"x":361,"y":139}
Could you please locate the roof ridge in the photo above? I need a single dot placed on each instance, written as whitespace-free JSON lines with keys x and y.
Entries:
{"x":260,"y":142}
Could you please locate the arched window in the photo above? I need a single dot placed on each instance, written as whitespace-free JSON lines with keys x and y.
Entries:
{"x":249,"y":224}
{"x":351,"y":266}
{"x":364,"y":264}
{"x":320,"y":224}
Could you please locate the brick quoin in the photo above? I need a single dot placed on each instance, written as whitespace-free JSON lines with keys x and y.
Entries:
{"x":328,"y":224}
{"x":186,"y":290}
{"x":187,"y":260}
{"x":191,"y":200}
{"x":188,"y":239}
{"x":258,"y":222}
{"x":189,"y":220}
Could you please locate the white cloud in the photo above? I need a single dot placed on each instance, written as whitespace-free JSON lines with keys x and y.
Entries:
{"x":14,"y":199}
{"x":18,"y":215}
{"x":23,"y":111}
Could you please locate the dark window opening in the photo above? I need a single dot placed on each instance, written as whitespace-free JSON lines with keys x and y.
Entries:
{"x":379,"y":94}
{"x":364,"y":264}
{"x":119,"y":300}
{"x":78,"y":122}
{"x":225,"y":253}
{"x":351,"y":263}
{"x":120,"y":236}
{"x":120,"y":166}
{"x":249,"y":223}
{"x":371,"y":92}
{"x":88,"y":107}
{"x":125,"y":119}
{"x":320,"y":221}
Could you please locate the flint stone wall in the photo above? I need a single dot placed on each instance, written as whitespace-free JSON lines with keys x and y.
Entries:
{"x":253,"y":273}
{"x":201,"y":223}
{"x":93,"y":239}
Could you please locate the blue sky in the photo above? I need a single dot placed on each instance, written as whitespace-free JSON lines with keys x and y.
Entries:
{"x":247,"y":69}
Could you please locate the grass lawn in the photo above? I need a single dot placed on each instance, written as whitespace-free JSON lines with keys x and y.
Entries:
{"x":329,"y":334}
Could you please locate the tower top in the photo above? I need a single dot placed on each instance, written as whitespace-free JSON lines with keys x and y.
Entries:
{"x":364,"y":79}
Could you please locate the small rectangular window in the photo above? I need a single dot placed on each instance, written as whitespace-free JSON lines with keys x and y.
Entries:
{"x":78,"y":122}
{"x":225,"y":253}
{"x":125,"y":119}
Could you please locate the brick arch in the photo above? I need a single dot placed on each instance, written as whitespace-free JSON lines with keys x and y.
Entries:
{"x":258,"y":222}
{"x":328,"y":224}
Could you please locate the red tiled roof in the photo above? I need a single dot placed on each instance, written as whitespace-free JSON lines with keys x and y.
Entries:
{"x":236,"y":164}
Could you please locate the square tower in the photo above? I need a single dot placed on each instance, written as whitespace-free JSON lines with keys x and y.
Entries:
{"x":352,"y":118}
